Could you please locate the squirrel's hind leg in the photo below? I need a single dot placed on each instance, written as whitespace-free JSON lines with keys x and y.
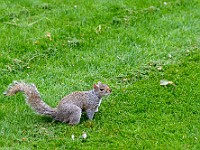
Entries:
{"x":69,"y":113}
{"x":75,"y":117}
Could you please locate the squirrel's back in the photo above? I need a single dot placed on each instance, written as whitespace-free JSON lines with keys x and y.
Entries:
{"x":81,"y":99}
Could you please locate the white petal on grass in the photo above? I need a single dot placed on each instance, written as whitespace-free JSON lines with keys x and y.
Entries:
{"x":73,"y":137}
{"x":84,"y":135}
{"x":169,"y":55}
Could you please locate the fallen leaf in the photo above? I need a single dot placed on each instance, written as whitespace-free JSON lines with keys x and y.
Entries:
{"x":24,"y":139}
{"x":36,"y":42}
{"x":164,"y":82}
{"x":48,"y":35}
{"x":98,"y":29}
{"x":74,"y":42}
{"x":159,"y":68}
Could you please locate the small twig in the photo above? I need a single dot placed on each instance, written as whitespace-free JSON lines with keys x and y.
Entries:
{"x":30,"y":24}
{"x":38,"y":55}
{"x":14,"y":24}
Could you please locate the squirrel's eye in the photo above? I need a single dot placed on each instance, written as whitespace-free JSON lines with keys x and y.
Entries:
{"x":101,"y":89}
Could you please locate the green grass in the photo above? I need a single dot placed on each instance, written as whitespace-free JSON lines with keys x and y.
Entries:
{"x":130,"y":45}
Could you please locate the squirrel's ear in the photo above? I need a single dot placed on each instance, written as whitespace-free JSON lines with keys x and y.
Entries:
{"x":96,"y":87}
{"x":99,"y":83}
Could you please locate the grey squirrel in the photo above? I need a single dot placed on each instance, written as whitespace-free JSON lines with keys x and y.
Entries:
{"x":70,"y":107}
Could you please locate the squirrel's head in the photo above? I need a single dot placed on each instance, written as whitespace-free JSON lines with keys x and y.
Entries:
{"x":102,"y":89}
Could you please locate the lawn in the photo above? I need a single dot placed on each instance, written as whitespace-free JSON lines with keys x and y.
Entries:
{"x":66,"y":46}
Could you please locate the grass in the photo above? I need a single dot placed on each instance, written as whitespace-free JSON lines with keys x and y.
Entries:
{"x":130,"y":45}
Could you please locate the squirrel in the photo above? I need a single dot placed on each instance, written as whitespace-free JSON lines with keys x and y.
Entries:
{"x":70,"y":107}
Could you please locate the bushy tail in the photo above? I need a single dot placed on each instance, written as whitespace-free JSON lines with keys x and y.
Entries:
{"x":32,"y":97}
